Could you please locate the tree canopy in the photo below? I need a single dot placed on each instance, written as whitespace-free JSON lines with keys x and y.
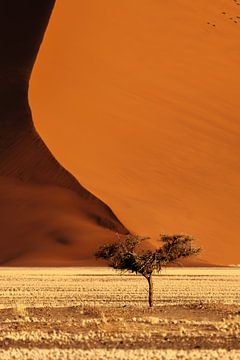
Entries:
{"x":127,"y":254}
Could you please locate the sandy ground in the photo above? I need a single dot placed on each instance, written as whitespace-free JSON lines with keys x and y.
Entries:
{"x":87,"y":314}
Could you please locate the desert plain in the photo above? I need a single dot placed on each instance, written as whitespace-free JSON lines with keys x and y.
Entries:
{"x":96,"y":313}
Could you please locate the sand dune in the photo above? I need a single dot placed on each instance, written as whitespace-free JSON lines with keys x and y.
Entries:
{"x":47,"y":225}
{"x":139,"y":100}
{"x":150,"y":95}
{"x":46,"y":216}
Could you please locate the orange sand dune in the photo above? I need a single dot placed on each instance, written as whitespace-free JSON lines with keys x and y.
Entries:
{"x":46,"y":216}
{"x":49,"y":226}
{"x":140,"y":101}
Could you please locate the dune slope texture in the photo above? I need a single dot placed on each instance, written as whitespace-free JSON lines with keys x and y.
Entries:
{"x":46,"y":216}
{"x":149,"y":91}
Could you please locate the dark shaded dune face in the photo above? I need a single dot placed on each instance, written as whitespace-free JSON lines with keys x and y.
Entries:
{"x":46,"y":225}
{"x":28,"y":159}
{"x":46,"y":216}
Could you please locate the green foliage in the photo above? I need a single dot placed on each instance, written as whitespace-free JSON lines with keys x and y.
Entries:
{"x":127,"y":255}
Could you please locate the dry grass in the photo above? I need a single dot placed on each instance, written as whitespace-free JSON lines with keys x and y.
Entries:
{"x":96,"y":314}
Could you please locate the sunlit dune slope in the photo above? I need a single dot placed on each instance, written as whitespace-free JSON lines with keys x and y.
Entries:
{"x":140,"y":101}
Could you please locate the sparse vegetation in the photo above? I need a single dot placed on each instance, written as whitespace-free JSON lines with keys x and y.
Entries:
{"x":93,"y":313}
{"x":127,"y":255}
{"x":20,"y":310}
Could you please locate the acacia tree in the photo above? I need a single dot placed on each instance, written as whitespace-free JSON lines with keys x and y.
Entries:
{"x":127,"y":255}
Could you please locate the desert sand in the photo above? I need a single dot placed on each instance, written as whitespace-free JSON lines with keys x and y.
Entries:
{"x":139,"y":100}
{"x":46,"y":216}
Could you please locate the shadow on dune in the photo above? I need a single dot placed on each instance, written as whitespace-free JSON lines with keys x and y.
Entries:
{"x":46,"y":216}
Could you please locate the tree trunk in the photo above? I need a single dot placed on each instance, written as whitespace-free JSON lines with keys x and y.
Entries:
{"x":150,"y":290}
